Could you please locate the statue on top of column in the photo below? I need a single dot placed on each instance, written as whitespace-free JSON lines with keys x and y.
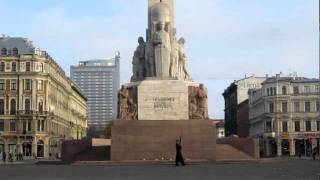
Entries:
{"x":161,"y":56}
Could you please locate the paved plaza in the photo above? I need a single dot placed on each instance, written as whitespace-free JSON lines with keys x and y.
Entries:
{"x":273,"y":170}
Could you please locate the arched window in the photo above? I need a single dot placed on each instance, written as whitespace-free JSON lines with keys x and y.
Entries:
{"x":3,"y":51}
{"x":284,"y":90}
{"x":15,"y":51}
{"x":13,"y":107}
{"x":27,"y":106}
{"x":41,"y":106}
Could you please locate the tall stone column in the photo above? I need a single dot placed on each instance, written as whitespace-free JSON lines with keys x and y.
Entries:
{"x":279,"y":147}
{"x":34,"y":146}
{"x":266,"y":144}
{"x":292,"y":147}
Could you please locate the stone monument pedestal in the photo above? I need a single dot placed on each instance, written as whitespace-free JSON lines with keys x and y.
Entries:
{"x":155,"y":140}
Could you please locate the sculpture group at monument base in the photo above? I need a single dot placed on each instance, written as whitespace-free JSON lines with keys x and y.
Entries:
{"x":155,"y":140}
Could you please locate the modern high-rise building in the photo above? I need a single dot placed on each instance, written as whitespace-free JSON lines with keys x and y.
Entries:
{"x":100,"y":81}
{"x":40,"y":107}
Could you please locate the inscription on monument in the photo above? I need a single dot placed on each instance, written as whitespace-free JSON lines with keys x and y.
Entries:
{"x":163,"y":100}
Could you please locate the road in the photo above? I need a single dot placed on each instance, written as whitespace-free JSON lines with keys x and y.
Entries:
{"x":277,"y":170}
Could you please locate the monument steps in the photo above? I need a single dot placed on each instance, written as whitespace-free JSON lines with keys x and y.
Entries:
{"x":226,"y":152}
{"x":95,"y":153}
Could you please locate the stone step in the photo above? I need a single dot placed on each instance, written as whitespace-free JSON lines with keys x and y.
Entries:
{"x":226,"y":152}
{"x":99,"y":153}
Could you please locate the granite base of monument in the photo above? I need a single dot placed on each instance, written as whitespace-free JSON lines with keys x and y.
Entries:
{"x":155,"y":140}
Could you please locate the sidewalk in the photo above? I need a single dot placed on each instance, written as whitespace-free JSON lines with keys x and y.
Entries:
{"x":18,"y":162}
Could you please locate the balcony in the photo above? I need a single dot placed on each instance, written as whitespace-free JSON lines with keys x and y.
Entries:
{"x":30,"y":113}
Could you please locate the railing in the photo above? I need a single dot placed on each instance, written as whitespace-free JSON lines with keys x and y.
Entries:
{"x":30,"y":112}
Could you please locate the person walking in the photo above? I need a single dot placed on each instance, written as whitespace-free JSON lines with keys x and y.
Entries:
{"x":10,"y":157}
{"x":4,"y":157}
{"x":179,"y":157}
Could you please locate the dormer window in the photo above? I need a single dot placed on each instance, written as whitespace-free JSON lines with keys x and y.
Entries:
{"x":15,"y":51}
{"x":3,"y":51}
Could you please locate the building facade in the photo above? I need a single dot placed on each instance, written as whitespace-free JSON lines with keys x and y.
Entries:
{"x":234,"y":95}
{"x":39,"y":105}
{"x":284,"y":115}
{"x":100,"y":81}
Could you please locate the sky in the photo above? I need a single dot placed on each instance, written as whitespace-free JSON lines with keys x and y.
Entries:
{"x":226,"y":39}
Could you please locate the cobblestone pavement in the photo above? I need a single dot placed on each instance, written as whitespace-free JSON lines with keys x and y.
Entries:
{"x":272,"y":170}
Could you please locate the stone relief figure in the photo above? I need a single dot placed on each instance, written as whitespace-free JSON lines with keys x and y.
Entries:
{"x":150,"y":61}
{"x":124,"y":105}
{"x":198,"y":104}
{"x":138,"y":62}
{"x":162,"y":45}
{"x":133,"y":110}
{"x":193,"y":109}
{"x":183,"y":70}
{"x":128,"y":108}
{"x":203,"y":102}
{"x":174,"y":60}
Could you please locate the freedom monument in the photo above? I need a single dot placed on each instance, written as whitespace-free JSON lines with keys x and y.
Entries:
{"x":162,"y":103}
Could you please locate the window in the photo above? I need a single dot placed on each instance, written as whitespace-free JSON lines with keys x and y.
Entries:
{"x":318,"y":125}
{"x":318,"y":106}
{"x":296,"y":90}
{"x":13,"y":125}
{"x":40,"y":125}
{"x":271,"y":107}
{"x":308,"y":125}
{"x":297,"y":126}
{"x":284,"y":126}
{"x":28,"y":84}
{"x":13,"y":84}
{"x":307,"y":106}
{"x":27,"y":106}
{"x":2,"y":66}
{"x":40,"y":85}
{"x":1,"y":125}
{"x":1,"y":84}
{"x":29,"y":125}
{"x":3,"y":51}
{"x":268,"y":92}
{"x":275,"y":91}
{"x":41,"y":106}
{"x":41,"y":67}
{"x":15,"y":51}
{"x":13,"y":107}
{"x":268,"y":126}
{"x":28,"y":66}
{"x":1,"y":107}
{"x":284,"y":107}
{"x":14,"y":67}
{"x":296,"y":106}
{"x":307,"y":89}
{"x":284,"y":90}
{"x":317,"y":89}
